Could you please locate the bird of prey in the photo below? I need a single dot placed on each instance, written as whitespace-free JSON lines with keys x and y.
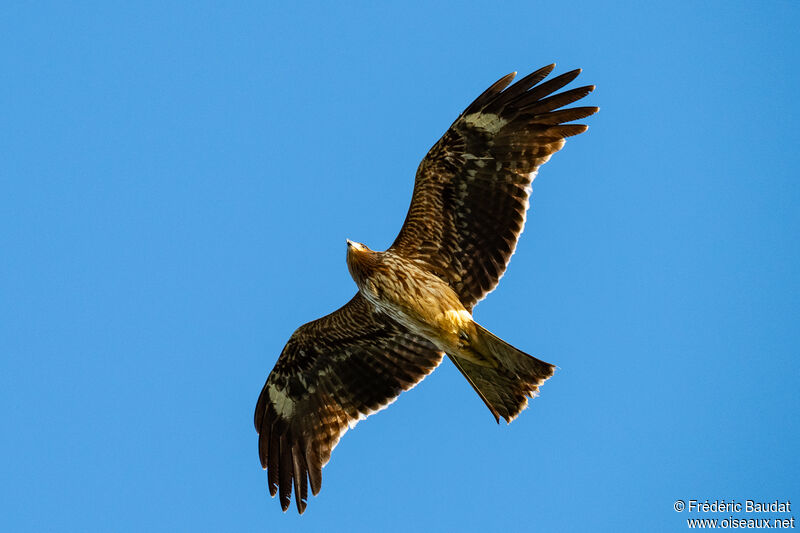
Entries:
{"x":414,"y":301}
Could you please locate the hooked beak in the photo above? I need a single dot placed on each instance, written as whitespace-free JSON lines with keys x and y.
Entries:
{"x":349,"y":243}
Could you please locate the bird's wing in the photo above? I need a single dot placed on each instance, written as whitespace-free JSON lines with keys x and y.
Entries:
{"x":333,"y":372}
{"x":471,"y":191}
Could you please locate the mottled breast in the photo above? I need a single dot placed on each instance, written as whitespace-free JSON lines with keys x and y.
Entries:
{"x":413,"y":296}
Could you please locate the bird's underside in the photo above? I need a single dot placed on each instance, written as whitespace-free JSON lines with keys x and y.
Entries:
{"x":414,"y":301}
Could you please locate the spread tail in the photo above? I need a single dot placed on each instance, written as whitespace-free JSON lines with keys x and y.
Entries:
{"x":510,"y":378}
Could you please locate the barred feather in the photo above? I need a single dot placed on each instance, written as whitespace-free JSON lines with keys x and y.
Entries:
{"x":472,"y":189}
{"x":332,"y":373}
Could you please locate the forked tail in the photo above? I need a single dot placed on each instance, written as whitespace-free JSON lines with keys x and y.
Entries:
{"x":506,"y":386}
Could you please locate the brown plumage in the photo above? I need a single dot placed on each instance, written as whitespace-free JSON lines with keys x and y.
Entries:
{"x":414,"y":301}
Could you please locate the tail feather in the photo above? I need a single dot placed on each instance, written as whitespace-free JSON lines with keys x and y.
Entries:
{"x":506,"y":386}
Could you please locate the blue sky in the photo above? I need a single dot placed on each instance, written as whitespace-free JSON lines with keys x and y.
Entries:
{"x":177,"y":183}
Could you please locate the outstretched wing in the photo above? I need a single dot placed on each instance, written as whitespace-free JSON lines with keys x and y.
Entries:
{"x":333,"y":372}
{"x":471,"y":191}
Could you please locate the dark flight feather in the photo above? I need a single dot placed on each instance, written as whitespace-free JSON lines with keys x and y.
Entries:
{"x":332,"y":372}
{"x":472,"y":189}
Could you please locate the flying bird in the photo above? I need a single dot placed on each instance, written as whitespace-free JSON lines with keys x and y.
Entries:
{"x":414,"y":301}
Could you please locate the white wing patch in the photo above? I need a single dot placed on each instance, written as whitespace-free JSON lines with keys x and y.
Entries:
{"x":284,"y":405}
{"x":488,"y":122}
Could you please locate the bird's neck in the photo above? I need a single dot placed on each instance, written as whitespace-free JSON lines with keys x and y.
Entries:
{"x":362,"y":264}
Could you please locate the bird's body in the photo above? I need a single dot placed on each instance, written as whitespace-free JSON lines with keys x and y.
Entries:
{"x":411,"y":295}
{"x":415,"y":300}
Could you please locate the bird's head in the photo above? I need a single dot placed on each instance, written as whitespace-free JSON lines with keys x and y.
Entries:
{"x":356,"y":247}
